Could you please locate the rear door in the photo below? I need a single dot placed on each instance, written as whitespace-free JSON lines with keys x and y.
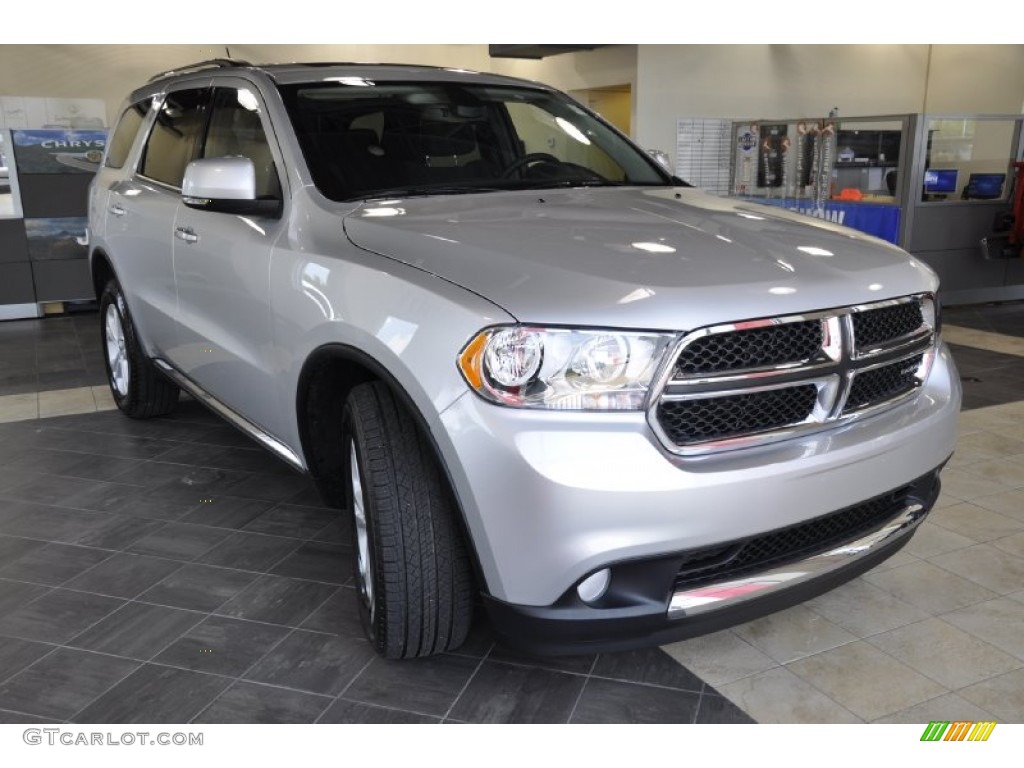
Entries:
{"x":141,"y":209}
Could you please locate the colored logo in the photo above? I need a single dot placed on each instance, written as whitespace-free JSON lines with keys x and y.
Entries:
{"x":747,"y":141}
{"x":961,"y":730}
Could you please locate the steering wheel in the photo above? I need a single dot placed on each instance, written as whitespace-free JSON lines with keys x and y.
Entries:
{"x":527,"y":159}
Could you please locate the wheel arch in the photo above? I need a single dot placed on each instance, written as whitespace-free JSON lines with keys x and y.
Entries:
{"x":327,"y":376}
{"x":101,"y":270}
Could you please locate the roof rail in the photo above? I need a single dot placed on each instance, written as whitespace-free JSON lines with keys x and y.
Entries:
{"x":199,"y":65}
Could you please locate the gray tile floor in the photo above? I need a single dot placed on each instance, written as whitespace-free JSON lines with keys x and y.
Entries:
{"x":54,"y":353}
{"x":169,"y":571}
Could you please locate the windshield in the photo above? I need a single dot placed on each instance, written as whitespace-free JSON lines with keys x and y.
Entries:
{"x":362,"y":140}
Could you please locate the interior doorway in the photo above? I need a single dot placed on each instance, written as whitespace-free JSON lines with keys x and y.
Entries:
{"x":613,"y":102}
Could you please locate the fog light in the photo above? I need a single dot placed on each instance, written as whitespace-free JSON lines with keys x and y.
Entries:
{"x":594,"y":586}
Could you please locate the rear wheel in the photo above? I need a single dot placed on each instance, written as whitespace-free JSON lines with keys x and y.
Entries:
{"x":138,"y":389}
{"x":412,"y":570}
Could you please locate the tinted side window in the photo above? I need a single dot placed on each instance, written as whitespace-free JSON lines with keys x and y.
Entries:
{"x":175,"y":134}
{"x":236,"y":129}
{"x":125,"y":133}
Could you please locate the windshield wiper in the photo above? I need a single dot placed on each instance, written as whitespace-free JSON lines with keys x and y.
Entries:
{"x":426,"y":190}
{"x":566,"y":184}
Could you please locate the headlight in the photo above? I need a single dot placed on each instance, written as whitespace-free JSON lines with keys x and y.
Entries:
{"x":562,"y":368}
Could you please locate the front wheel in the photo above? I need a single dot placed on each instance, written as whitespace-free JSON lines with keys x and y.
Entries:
{"x":412,"y":570}
{"x":138,"y":389}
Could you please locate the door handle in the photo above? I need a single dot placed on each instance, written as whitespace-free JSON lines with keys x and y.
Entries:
{"x":186,"y":234}
{"x":117,"y":209}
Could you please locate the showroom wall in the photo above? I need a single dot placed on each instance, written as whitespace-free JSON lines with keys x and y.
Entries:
{"x":765,"y":81}
{"x":666,"y":81}
{"x":111,"y":71}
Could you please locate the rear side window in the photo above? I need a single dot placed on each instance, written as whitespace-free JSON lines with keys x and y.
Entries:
{"x":176,"y":132}
{"x":124,"y":135}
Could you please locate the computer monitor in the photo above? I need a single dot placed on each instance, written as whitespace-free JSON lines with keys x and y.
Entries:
{"x":985,"y":186}
{"x":940,"y":181}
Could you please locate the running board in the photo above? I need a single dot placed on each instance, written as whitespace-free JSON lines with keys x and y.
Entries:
{"x":233,"y":418}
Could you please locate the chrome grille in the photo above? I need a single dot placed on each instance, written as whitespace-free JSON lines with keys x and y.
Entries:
{"x":751,"y":348}
{"x":883,"y":383}
{"x":714,"y":417}
{"x":762,"y":380}
{"x":878,"y":326}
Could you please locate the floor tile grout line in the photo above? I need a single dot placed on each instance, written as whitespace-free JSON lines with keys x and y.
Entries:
{"x":586,"y":681}
{"x":996,"y":595}
{"x":240,"y":681}
{"x":110,"y":554}
{"x":700,"y":700}
{"x":142,"y":663}
{"x":179,"y":519}
{"x":138,"y":599}
{"x":938,"y":682}
{"x":935,"y":698}
{"x":988,"y":543}
{"x":170,"y":560}
{"x":348,"y":685}
{"x":386,"y":707}
{"x":157,"y":604}
{"x":28,"y":714}
{"x":247,"y":670}
{"x":103,"y":618}
{"x":590,"y":675}
{"x":465,"y":686}
{"x":8,"y":678}
{"x":274,"y":646}
{"x":132,"y":671}
{"x":786,"y":666}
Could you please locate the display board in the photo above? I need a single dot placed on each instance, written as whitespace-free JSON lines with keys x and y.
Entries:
{"x":703,"y":153}
{"x":47,"y":160}
{"x":59,"y":151}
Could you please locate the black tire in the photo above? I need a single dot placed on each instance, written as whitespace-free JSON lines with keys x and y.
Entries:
{"x":421,"y":597}
{"x":143,"y":393}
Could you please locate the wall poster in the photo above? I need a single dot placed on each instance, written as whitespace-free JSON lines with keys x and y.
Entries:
{"x":59,"y":151}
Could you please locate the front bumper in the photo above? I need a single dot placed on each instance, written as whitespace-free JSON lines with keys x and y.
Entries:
{"x":706,"y":596}
{"x":551,"y":497}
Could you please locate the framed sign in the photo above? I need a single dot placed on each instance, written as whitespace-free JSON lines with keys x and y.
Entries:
{"x":59,"y":151}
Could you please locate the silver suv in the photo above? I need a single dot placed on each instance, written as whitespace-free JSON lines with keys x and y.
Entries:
{"x":538,"y":371}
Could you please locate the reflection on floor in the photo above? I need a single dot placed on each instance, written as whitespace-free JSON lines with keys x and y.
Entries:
{"x":118,"y":579}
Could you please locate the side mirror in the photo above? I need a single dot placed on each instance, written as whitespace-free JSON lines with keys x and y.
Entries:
{"x":662,"y":159}
{"x":225,"y":185}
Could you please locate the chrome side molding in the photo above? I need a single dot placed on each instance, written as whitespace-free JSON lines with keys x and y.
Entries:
{"x":235,"y":419}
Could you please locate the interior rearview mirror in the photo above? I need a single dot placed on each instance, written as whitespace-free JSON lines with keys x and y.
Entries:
{"x":225,"y":185}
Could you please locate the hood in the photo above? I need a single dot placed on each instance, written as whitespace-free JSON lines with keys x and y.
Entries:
{"x":659,"y":259}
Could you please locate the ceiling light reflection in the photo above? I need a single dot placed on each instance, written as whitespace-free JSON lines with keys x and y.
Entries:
{"x":572,"y":130}
{"x":386,"y":211}
{"x":360,"y":82}
{"x":637,"y":295}
{"x":654,"y":247}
